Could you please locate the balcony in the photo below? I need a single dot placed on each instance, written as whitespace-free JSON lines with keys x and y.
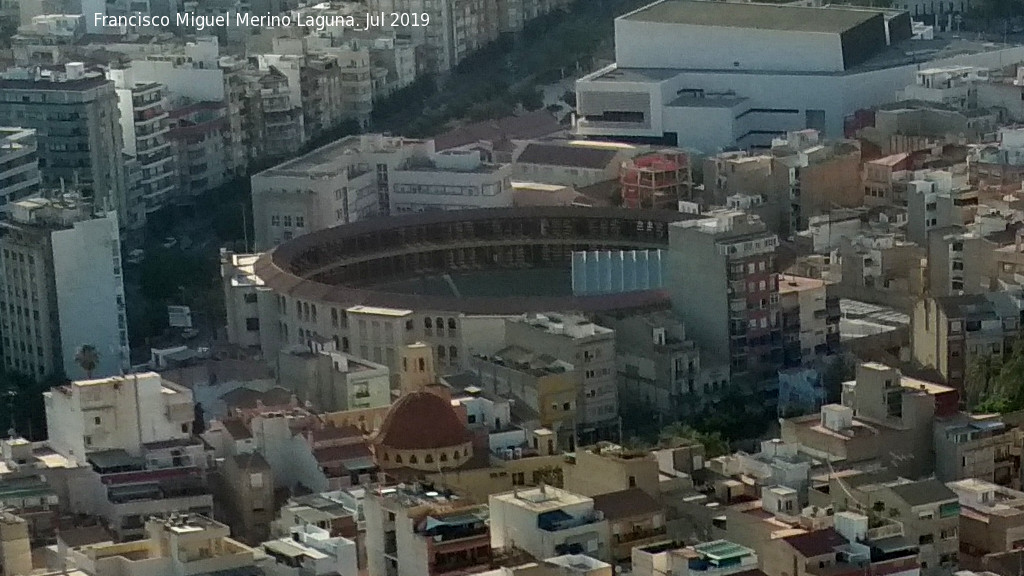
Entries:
{"x":887,"y":530}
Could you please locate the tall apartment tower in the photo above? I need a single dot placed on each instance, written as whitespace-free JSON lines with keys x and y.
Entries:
{"x":76,"y":119}
{"x":19,"y":164}
{"x":145,"y":124}
{"x":722,"y":278}
{"x":61,"y":288}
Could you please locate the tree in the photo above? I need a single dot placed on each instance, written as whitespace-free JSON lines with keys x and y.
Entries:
{"x":549,"y":475}
{"x":714,"y":444}
{"x":199,"y":419}
{"x":531,"y":98}
{"x":995,"y":384}
{"x":979,"y":380}
{"x":999,"y":8}
{"x":839,"y":370}
{"x":88,"y":358}
{"x":23,"y":407}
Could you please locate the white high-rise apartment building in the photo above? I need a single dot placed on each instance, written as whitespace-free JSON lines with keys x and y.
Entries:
{"x":61,"y":288}
{"x":145,"y":125}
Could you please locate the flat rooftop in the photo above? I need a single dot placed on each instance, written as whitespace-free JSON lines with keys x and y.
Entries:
{"x":904,"y":53}
{"x":758,"y":16}
{"x":542,"y":499}
{"x":332,"y":159}
{"x":789,"y":283}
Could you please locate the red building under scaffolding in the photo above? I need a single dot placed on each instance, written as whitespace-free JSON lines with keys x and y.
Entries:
{"x":656,"y":180}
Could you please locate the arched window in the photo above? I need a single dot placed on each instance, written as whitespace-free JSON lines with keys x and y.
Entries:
{"x":344,"y":344}
{"x":426,"y":323}
{"x":440,"y":352}
{"x":440,"y":324}
{"x":386,"y":459}
{"x":398,"y":458}
{"x":444,"y":456}
{"x":428,"y":459}
{"x":453,"y":353}
{"x":451,"y":323}
{"x":455,"y":455}
{"x":412,"y":459}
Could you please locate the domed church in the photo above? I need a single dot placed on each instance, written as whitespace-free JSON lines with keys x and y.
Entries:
{"x":422,"y":430}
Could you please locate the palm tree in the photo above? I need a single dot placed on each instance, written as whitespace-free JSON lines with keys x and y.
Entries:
{"x":88,"y":358}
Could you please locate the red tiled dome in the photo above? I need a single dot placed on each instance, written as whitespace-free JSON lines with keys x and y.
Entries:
{"x":422,"y":421}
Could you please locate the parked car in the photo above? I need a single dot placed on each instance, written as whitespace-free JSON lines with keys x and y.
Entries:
{"x":136,"y":256}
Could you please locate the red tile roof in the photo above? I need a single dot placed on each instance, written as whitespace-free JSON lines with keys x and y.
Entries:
{"x":342,"y":453}
{"x":525,"y":127}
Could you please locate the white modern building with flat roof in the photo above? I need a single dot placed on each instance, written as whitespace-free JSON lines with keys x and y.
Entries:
{"x":342,"y":182}
{"x":122,"y":413}
{"x":711,"y":75}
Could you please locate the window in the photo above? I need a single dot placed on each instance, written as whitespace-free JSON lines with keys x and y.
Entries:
{"x":300,"y":222}
{"x":440,"y":352}
{"x":413,"y":459}
{"x":96,"y":420}
{"x":275,"y":220}
{"x":287,"y":220}
{"x":250,"y":298}
{"x":184,"y":428}
{"x":453,"y":353}
{"x":427,"y":323}
{"x":252,"y":324}
{"x":428,"y":459}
